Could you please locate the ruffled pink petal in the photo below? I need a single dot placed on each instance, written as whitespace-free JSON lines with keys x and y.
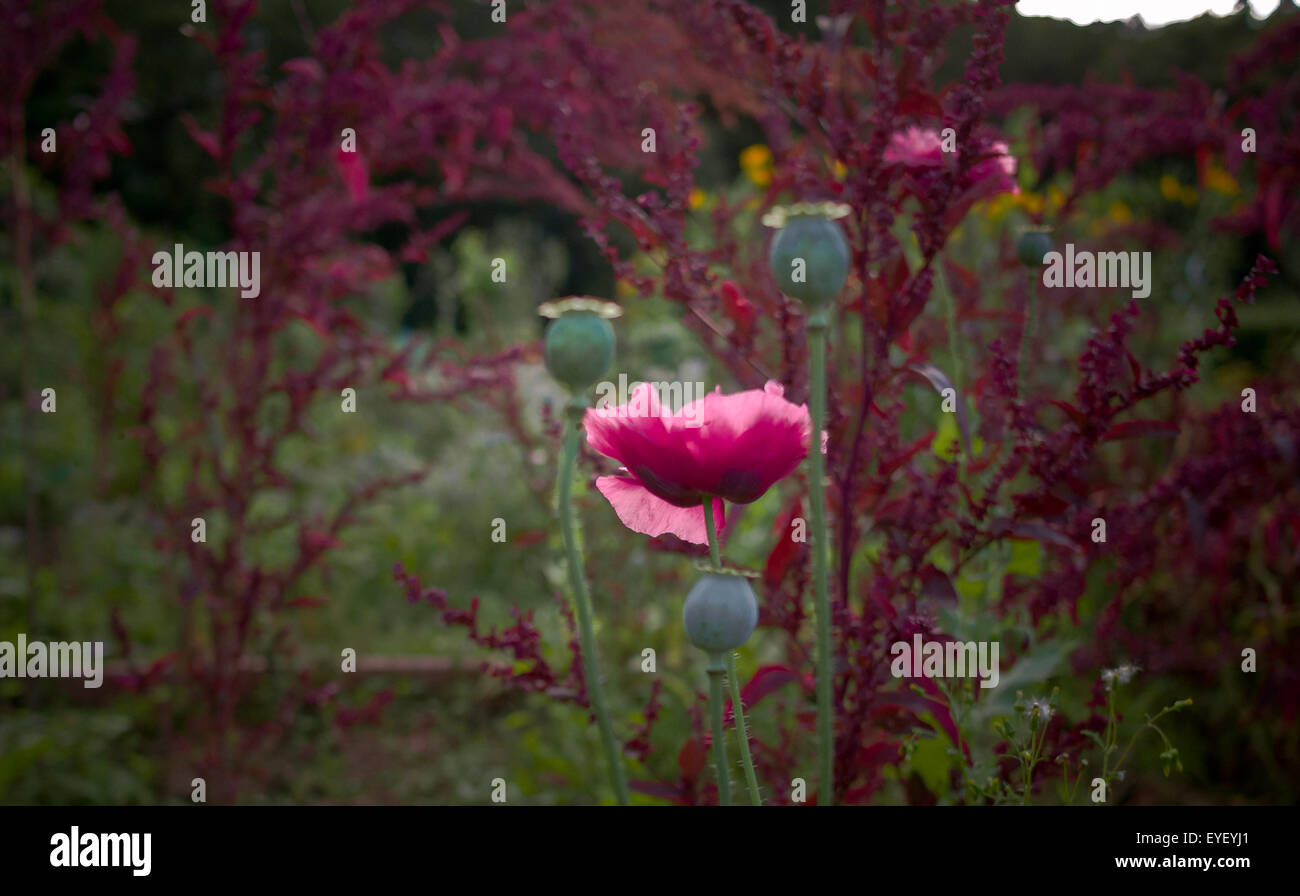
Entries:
{"x":642,"y":512}
{"x":629,"y":433}
{"x":916,"y":148}
{"x":995,"y":173}
{"x":747,"y":442}
{"x":640,"y":436}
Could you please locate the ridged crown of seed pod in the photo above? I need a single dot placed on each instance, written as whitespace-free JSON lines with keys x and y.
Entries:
{"x":580,"y":343}
{"x":1033,"y":244}
{"x":720,"y":612}
{"x":809,"y":257}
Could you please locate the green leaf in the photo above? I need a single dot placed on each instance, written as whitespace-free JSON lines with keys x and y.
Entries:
{"x":1026,"y":558}
{"x":930,"y":761}
{"x":1095,"y":738}
{"x":1030,"y":672}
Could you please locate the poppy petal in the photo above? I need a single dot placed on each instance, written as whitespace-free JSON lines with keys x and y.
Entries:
{"x":642,"y":512}
{"x":749,"y":441}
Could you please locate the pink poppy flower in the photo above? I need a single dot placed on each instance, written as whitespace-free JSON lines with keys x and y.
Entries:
{"x":724,"y":447}
{"x":915,"y":148}
{"x":993,"y":173}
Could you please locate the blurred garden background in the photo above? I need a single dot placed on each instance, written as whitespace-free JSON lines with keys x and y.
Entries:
{"x":522,"y":140}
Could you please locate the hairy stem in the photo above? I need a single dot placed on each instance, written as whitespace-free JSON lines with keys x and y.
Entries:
{"x":742,"y":731}
{"x":816,"y":499}
{"x":737,"y":708}
{"x":582,"y":599}
{"x":716,"y":671}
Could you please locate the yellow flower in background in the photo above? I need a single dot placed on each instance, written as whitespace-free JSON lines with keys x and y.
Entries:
{"x":359,"y":442}
{"x":1220,"y":181}
{"x":1173,"y":191}
{"x":1030,"y":202}
{"x":696,"y":198}
{"x":1055,"y":199}
{"x":1119,"y":212}
{"x":756,"y":162}
{"x":1169,"y":187}
{"x":996,"y":207}
{"x":839,"y":170}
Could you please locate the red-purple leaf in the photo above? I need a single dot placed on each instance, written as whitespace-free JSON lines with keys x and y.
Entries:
{"x":785,"y":549}
{"x":765,"y":681}
{"x":906,"y":454}
{"x":1074,"y":413}
{"x":916,"y":705}
{"x":919,"y":104}
{"x":206,"y":139}
{"x":1030,"y":504}
{"x":306,"y":602}
{"x":1136,"y":429}
{"x":692,"y":758}
{"x":936,"y":586}
{"x":1134,"y":366}
{"x":658,"y":790}
{"x":1032,"y":531}
{"x":306,"y":67}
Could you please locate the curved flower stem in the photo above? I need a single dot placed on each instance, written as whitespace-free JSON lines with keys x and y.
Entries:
{"x":738,"y":709}
{"x":578,"y":581}
{"x":716,"y":671}
{"x":817,"y":500}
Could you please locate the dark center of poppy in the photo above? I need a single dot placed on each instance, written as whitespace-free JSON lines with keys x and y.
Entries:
{"x":741,"y":486}
{"x":661,"y":488}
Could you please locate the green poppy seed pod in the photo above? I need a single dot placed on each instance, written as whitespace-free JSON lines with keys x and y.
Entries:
{"x":720,"y":612}
{"x":579,"y":349}
{"x":1032,"y":246}
{"x":809,"y":259}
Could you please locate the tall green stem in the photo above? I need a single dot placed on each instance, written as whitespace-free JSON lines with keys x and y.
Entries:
{"x":716,"y":671}
{"x":738,"y":709}
{"x":742,"y":731}
{"x":578,"y":581}
{"x":816,"y":498}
